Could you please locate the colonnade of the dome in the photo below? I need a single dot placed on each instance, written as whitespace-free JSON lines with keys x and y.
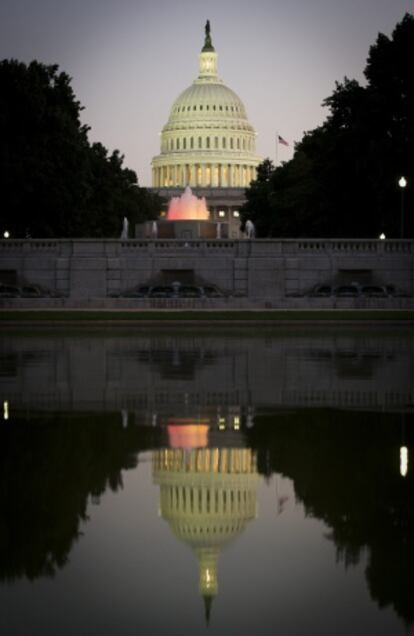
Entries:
{"x":216,"y":175}
{"x":201,"y":460}
{"x":170,"y":143}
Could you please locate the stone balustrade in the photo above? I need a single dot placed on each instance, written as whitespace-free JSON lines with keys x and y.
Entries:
{"x":266,"y":271}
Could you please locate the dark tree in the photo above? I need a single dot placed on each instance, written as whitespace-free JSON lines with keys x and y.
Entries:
{"x":343,"y":178}
{"x":50,"y":466}
{"x":53,"y":182}
{"x":352,"y":484}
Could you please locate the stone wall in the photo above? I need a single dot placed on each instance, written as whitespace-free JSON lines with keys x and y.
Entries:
{"x":189,"y":373}
{"x":267,"y":273}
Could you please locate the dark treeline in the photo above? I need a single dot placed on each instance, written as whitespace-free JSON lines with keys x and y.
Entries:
{"x":53,"y":181}
{"x":345,"y":471}
{"x":49,"y":468}
{"x":343,"y":178}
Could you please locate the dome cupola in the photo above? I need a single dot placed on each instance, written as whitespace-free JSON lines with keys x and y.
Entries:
{"x":208,"y":57}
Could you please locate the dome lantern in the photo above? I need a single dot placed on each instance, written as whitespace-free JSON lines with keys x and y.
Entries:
{"x":207,"y":57}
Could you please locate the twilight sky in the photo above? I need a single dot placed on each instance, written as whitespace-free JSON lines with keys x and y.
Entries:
{"x":130,"y":59}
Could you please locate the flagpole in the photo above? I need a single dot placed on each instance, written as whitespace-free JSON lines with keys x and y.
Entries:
{"x":277,"y":148}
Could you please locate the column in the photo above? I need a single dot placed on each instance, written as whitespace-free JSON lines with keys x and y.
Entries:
{"x":203,"y":500}
{"x":220,"y":502}
{"x":208,"y":174}
{"x":203,"y":175}
{"x":215,"y":177}
{"x":223,"y":180}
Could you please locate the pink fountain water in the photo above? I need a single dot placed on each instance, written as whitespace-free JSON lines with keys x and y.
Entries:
{"x":187,"y":207}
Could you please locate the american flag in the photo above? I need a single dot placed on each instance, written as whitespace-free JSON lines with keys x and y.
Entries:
{"x":282,"y":141}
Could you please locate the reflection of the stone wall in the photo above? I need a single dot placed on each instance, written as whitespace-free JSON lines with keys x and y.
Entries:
{"x":350,"y":369}
{"x":207,"y":496}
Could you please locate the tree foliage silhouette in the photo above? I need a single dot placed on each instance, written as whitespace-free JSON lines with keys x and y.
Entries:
{"x":343,"y":178}
{"x":53,"y":182}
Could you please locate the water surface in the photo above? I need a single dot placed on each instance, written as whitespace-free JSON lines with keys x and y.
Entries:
{"x":160,"y":481}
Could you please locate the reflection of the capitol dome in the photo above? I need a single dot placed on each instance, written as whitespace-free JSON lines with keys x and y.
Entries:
{"x":207,"y":496}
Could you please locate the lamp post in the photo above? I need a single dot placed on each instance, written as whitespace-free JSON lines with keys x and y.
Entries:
{"x":402,"y":183}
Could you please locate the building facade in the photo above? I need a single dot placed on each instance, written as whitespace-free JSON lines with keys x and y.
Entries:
{"x":208,"y":144}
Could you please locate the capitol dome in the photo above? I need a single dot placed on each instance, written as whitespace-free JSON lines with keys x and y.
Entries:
{"x":207,"y":496}
{"x":208,"y":140}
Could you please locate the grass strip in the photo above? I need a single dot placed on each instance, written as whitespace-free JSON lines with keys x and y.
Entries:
{"x":270,"y":315}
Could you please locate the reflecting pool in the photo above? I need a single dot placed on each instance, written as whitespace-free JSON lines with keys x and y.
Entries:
{"x":225,"y":481}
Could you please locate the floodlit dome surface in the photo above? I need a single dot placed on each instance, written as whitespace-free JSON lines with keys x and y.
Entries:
{"x":208,"y":140}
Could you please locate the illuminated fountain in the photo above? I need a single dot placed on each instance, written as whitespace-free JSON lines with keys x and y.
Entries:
{"x":187,"y":218}
{"x":187,"y":207}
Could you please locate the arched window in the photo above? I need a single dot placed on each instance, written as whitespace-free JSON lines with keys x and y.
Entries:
{"x":216,"y":143}
{"x":200,"y":142}
{"x":184,"y":143}
{"x":231,"y":143}
{"x":201,"y":107}
{"x":208,"y":142}
{"x":238,"y":143}
{"x":177,"y":145}
{"x":224,"y":142}
{"x":191,"y":142}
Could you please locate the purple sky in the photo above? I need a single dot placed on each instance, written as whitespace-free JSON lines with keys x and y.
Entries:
{"x":129,"y":60}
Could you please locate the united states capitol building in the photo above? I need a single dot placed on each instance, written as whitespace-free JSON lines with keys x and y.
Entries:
{"x":208,"y":143}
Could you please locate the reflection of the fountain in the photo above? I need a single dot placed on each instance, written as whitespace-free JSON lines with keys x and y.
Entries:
{"x":207,"y":496}
{"x":181,"y":425}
